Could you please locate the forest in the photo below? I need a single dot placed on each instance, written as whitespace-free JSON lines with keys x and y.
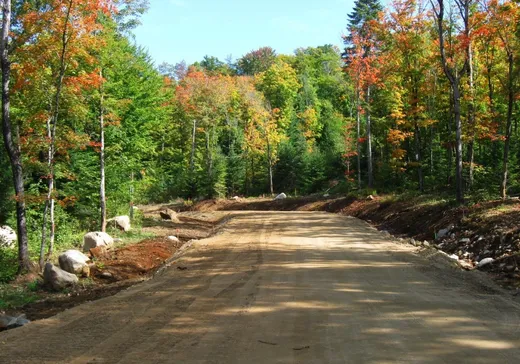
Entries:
{"x":422,"y":98}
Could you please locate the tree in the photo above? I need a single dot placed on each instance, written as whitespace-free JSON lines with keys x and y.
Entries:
{"x":455,"y":66}
{"x":13,"y":149}
{"x":256,"y":61}
{"x":205,"y":100}
{"x":361,"y":48}
{"x":279,"y":85}
{"x":406,"y":38}
{"x":502,"y":22}
{"x":62,"y":34}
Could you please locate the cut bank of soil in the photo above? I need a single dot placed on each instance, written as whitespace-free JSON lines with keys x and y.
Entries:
{"x":133,"y":261}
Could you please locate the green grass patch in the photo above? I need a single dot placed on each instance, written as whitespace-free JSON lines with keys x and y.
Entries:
{"x":12,"y":296}
{"x":130,"y":237}
{"x":8,"y":264}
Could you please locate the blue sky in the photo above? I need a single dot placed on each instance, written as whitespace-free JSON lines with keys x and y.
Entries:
{"x":176,"y":30}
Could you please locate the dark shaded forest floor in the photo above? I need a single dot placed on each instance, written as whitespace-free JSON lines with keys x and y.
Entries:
{"x":488,"y":229}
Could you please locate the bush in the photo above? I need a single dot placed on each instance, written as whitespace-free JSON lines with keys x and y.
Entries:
{"x":8,"y":264}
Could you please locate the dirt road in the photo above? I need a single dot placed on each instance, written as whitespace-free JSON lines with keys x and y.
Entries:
{"x":290,"y":287}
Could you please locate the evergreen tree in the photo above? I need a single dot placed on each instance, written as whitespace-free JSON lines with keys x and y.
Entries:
{"x":363,"y":11}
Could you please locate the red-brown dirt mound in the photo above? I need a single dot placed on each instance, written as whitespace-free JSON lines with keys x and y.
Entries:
{"x":133,"y":261}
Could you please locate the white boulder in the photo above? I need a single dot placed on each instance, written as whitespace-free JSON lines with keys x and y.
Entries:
{"x":281,"y":196}
{"x":7,"y":237}
{"x":57,"y":278}
{"x":173,"y":238}
{"x":122,"y":222}
{"x":485,"y":262}
{"x":73,"y":261}
{"x":95,"y":239}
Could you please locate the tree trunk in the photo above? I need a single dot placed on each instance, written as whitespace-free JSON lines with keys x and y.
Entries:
{"x":131,"y":190}
{"x":369,"y":142}
{"x":509,"y":124}
{"x":210,"y":163}
{"x":418,"y":157}
{"x":102,"y":197}
{"x":432,"y":139}
{"x":52,"y":134}
{"x":458,"y":143}
{"x":358,"y":136}
{"x":454,"y":75}
{"x":270,"y":167}
{"x":471,"y":117}
{"x":48,"y":198}
{"x":471,"y":160}
{"x":44,"y":235}
{"x":15,"y":158}
{"x":192,"y":160}
{"x":192,"y":156}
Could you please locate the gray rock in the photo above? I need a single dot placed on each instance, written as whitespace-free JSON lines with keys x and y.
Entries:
{"x":485,"y":262}
{"x":122,"y":222}
{"x":454,"y":257}
{"x":413,"y":242}
{"x":444,"y":232}
{"x":57,"y":278}
{"x":73,"y":261}
{"x":173,"y":238}
{"x":9,"y":322}
{"x":426,"y":244}
{"x":106,"y":275}
{"x":465,"y":240}
{"x":7,"y":237}
{"x":169,"y":214}
{"x":281,"y":196}
{"x":96,"y":239}
{"x":370,"y":198}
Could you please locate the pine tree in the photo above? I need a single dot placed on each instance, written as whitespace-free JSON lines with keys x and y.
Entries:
{"x":364,"y":11}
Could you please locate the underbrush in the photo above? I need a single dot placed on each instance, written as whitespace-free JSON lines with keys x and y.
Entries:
{"x":12,"y":296}
{"x":69,"y":235}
